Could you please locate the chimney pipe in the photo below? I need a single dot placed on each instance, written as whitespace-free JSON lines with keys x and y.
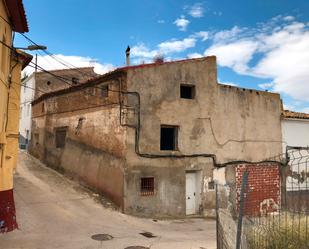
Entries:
{"x":128,"y":56}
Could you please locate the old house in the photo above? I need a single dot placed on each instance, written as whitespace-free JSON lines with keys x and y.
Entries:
{"x":149,"y":136}
{"x":12,"y":61}
{"x":42,"y":82}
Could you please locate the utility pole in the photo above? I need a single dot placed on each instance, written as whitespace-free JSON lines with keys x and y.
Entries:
{"x":36,"y":62}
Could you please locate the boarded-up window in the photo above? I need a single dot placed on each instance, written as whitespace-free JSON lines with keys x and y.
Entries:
{"x":61,"y":134}
{"x":147,"y":186}
{"x":104,"y":91}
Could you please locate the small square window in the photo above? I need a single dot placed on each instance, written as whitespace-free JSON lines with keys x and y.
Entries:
{"x":147,"y":186}
{"x":211,"y":185}
{"x":187,"y":91}
{"x":169,"y":137}
{"x":60,"y":137}
{"x":75,"y":80}
{"x":104,"y":91}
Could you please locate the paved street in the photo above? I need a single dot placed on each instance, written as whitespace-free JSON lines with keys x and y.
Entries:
{"x":54,"y":212}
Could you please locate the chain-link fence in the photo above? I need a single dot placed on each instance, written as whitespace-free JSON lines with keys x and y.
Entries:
{"x":266,"y":205}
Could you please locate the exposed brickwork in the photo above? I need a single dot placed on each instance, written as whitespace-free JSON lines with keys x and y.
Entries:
{"x":263,"y":188}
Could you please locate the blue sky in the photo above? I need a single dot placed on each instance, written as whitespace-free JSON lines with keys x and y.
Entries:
{"x":262,"y":44}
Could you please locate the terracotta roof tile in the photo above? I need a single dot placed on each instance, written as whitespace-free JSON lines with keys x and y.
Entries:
{"x":296,"y":115}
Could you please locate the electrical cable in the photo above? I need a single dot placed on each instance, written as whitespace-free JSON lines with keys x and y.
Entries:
{"x":137,"y":131}
{"x":57,"y":59}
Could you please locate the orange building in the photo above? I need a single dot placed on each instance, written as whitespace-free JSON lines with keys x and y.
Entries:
{"x":12,"y":61}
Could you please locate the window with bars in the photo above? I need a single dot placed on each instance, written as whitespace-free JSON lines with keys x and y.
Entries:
{"x":147,"y":186}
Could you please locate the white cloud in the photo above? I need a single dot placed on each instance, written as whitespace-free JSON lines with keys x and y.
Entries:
{"x":227,"y":35}
{"x":194,"y":55}
{"x":142,"y":51}
{"x":234,"y":55}
{"x":266,"y":86}
{"x":204,"y":35}
{"x":176,"y":45}
{"x":182,"y":23}
{"x":277,"y":50}
{"x":288,"y":18}
{"x":49,"y":63}
{"x":196,"y":10}
{"x":161,"y":21}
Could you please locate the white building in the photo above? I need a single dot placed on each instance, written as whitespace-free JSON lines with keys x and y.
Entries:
{"x":27,"y":96}
{"x":295,"y":129}
{"x":295,"y":133}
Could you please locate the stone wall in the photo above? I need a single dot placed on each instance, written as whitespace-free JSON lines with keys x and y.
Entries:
{"x":95,"y":142}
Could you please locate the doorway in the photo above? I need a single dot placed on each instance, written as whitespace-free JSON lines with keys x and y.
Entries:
{"x":192,"y":192}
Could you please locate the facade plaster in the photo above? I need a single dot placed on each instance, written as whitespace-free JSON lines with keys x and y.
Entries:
{"x":220,"y":124}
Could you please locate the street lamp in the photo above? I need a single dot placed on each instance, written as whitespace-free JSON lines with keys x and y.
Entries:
{"x":32,"y":48}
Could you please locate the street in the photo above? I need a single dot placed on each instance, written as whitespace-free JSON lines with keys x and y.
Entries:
{"x":54,"y":212}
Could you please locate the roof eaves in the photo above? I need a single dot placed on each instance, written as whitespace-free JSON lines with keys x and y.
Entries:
{"x":17,"y":15}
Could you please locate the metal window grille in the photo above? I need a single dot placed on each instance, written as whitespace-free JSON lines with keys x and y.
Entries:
{"x":147,"y":186}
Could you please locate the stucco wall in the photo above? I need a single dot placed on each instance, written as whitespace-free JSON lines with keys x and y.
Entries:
{"x":229,"y":122}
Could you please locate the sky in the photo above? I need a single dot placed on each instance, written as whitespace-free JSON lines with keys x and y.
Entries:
{"x":259,"y":44}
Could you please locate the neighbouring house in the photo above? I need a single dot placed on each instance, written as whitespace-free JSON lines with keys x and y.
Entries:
{"x":150,"y":136}
{"x":12,"y":61}
{"x":295,"y":133}
{"x":42,"y":82}
{"x":295,"y":129}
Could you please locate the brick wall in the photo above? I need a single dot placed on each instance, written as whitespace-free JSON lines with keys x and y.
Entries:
{"x":263,"y":188}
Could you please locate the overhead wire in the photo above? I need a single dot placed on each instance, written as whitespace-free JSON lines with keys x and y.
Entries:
{"x":67,"y":64}
{"x":137,"y":135}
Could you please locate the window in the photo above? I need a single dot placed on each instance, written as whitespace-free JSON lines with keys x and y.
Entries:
{"x":104,"y":91}
{"x":147,"y":186}
{"x":75,"y":80}
{"x":61,"y":134}
{"x":169,"y":137}
{"x":211,"y":185}
{"x":43,"y":107}
{"x":48,"y":83}
{"x":187,"y":91}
